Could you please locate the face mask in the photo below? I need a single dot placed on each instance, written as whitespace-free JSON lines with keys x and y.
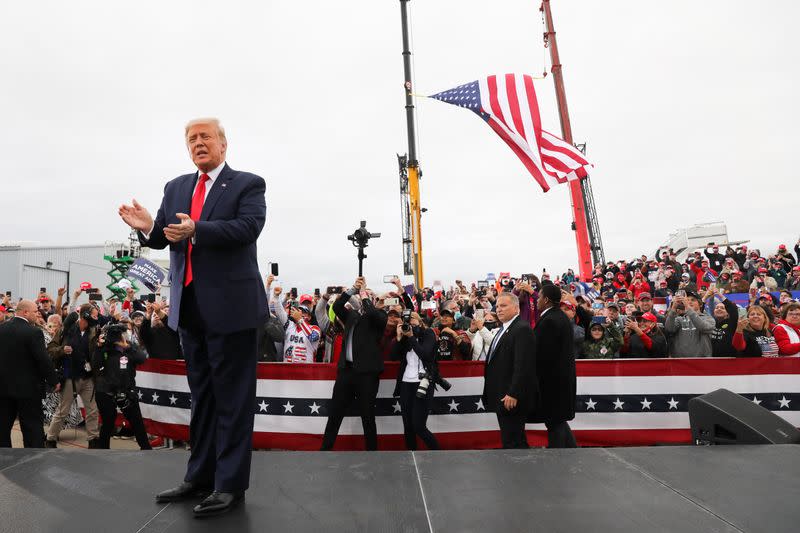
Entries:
{"x":457,"y":315}
{"x":416,"y":329}
{"x":490,"y":325}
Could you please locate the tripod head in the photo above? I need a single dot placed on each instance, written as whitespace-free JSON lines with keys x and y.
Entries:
{"x":360,"y":239}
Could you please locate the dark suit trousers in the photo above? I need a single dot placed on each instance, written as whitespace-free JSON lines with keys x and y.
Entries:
{"x":221,"y":370}
{"x":349,"y":386}
{"x":31,"y":421}
{"x":512,"y":428}
{"x":559,"y":435}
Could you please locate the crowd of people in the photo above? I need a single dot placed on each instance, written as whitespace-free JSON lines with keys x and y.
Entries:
{"x":613,"y":315}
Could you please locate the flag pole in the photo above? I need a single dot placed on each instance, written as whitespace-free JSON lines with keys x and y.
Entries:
{"x":579,"y":222}
{"x":409,"y":183}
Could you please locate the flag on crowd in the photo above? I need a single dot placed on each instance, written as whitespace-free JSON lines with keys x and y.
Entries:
{"x":508,"y":104}
{"x":710,"y":277}
{"x":586,"y":290}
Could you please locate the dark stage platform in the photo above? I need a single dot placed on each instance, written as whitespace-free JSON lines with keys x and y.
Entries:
{"x":747,"y":488}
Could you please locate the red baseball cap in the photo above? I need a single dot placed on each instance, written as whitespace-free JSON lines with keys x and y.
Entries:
{"x":306,"y":298}
{"x":782,"y":247}
{"x":650,"y":317}
{"x":568,"y":305}
{"x":762,"y":270}
{"x":737,"y":274}
{"x":644,"y":296}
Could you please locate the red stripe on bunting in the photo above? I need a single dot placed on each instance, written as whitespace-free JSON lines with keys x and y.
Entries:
{"x":717,"y":366}
{"x":473,"y":440}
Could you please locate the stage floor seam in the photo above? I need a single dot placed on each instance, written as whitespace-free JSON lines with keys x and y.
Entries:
{"x":650,"y":476}
{"x":422,"y":492}
{"x":152,"y":518}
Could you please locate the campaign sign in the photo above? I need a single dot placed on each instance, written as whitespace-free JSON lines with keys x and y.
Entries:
{"x":149,"y":273}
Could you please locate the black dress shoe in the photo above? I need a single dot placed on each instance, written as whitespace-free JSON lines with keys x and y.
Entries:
{"x":218,"y":503}
{"x":183,"y":491}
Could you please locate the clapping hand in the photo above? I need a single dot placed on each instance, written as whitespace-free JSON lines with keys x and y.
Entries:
{"x":136,"y":216}
{"x":180,"y":231}
{"x":509,"y":402}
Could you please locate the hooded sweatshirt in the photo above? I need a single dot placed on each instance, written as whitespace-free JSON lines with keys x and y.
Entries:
{"x":691,"y":333}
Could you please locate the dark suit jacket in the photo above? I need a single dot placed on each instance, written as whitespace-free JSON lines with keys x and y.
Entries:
{"x":367,"y":330}
{"x":512,"y":369}
{"x":24,"y":363}
{"x":555,"y":367}
{"x":227,"y":283}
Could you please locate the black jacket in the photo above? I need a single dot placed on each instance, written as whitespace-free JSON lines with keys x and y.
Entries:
{"x":637,"y":349}
{"x":722,"y":336}
{"x":424,"y":345}
{"x":555,"y":368}
{"x":161,"y":342}
{"x":112,"y":372}
{"x":367,"y":328}
{"x":511,"y":369}
{"x":24,"y":363}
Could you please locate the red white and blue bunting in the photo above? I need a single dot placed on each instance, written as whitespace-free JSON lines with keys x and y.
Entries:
{"x":620,"y":402}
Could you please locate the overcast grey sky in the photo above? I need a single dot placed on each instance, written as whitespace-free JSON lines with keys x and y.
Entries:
{"x":689,"y":110}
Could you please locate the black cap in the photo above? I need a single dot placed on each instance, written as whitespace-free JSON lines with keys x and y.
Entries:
{"x":551,"y":292}
{"x":445,"y":312}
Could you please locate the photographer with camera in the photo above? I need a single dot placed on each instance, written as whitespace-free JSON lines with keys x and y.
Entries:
{"x":114,"y":363}
{"x":73,"y":359}
{"x":359,"y":367}
{"x":416,"y":379}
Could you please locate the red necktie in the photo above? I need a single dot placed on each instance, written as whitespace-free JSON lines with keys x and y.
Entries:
{"x":197,"y":208}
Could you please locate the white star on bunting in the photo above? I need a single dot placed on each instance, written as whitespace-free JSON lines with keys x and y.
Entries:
{"x":479,"y":405}
{"x":172,"y":399}
{"x":618,"y":404}
{"x":396,"y":407}
{"x":139,"y":394}
{"x":155,"y":397}
{"x":645,"y":404}
{"x":314,"y":408}
{"x":673,"y":403}
{"x":756,"y":401}
{"x":288,"y":407}
{"x":262,"y":407}
{"x":590,"y":404}
{"x":784,"y":402}
{"x":453,"y":406}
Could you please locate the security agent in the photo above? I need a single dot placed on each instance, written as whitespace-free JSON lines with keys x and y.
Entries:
{"x":416,"y":378}
{"x":510,"y":388}
{"x":359,"y":366}
{"x":115,"y":365}
{"x":24,"y":369}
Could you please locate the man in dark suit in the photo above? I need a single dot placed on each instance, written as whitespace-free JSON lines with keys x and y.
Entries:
{"x":24,"y":369}
{"x":555,"y":369}
{"x":510,"y":387}
{"x":360,"y":366}
{"x":217,"y":304}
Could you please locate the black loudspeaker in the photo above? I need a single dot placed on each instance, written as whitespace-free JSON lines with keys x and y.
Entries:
{"x":724,"y":417}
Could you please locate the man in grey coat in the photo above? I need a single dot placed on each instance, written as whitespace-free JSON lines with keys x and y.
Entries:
{"x":688,"y":327}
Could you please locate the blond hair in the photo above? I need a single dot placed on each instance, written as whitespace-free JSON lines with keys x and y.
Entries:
{"x":211,"y":121}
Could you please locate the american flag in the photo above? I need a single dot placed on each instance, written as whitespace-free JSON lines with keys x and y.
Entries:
{"x":508,"y":104}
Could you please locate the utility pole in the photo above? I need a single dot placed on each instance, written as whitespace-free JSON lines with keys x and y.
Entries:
{"x":410,"y":175}
{"x":577,"y":191}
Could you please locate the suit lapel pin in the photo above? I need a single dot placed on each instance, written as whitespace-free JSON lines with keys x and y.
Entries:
{"x":224,"y":185}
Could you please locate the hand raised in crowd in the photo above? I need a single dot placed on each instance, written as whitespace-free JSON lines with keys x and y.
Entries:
{"x":742,"y":324}
{"x":476,"y":325}
{"x":270,"y":279}
{"x":181,"y":231}
{"x":62,"y":291}
{"x":632,"y":325}
{"x":136,"y":216}
{"x":277,"y":290}
{"x":295,"y":314}
{"x":360,"y":284}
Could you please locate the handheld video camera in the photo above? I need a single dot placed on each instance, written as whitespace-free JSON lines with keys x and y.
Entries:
{"x":406,"y":325}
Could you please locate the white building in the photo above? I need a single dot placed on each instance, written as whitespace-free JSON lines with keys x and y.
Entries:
{"x":25,"y":268}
